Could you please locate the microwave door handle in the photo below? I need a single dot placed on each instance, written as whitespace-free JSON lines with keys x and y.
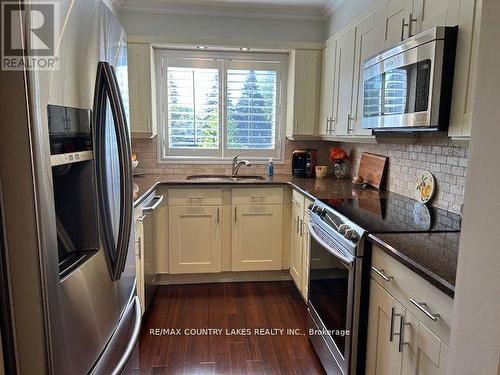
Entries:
{"x":346,"y":261}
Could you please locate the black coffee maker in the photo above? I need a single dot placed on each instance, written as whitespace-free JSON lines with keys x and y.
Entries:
{"x":303,"y":163}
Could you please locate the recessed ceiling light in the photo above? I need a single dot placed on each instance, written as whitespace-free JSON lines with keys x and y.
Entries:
{"x":202,"y":47}
{"x":244,"y":49}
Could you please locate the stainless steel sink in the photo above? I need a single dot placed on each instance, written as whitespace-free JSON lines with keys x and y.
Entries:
{"x":224,"y":178}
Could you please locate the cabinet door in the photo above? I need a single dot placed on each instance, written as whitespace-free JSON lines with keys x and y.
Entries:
{"x":148,"y":259}
{"x":195,"y":244}
{"x":464,"y":80}
{"x":307,"y":89}
{"x":327,"y":87}
{"x":296,"y":241}
{"x":383,"y":356}
{"x":139,"y":262}
{"x":305,"y":251}
{"x":423,"y":352}
{"x":391,"y":19}
{"x":140,"y":91}
{"x":257,"y":237}
{"x":344,"y":81}
{"x":367,"y":44}
{"x":430,"y":13}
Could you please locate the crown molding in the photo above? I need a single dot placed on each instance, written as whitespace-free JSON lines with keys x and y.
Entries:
{"x":219,"y":8}
{"x":331,"y":6}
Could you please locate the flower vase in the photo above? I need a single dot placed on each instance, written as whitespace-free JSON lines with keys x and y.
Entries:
{"x":341,"y":169}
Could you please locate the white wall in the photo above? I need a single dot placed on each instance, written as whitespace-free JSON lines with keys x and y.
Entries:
{"x":475,"y":331}
{"x":217,"y":30}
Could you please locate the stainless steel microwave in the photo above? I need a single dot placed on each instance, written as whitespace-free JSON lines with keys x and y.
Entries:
{"x":408,"y":87}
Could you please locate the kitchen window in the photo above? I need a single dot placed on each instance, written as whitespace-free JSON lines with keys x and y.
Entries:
{"x":217,"y":104}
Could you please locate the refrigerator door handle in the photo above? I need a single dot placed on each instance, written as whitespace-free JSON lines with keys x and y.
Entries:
{"x":107,"y":87}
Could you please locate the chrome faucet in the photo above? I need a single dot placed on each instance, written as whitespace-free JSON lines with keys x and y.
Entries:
{"x":237,"y":164}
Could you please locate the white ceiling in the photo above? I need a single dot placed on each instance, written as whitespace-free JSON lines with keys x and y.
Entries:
{"x":279,"y":9}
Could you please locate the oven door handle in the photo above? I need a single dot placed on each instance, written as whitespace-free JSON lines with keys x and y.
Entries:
{"x":346,"y":261}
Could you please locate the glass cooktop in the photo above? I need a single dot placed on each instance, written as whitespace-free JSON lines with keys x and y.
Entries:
{"x":394,"y":213}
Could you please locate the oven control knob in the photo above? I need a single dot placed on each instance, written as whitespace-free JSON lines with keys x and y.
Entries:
{"x":343,"y":229}
{"x":351,"y":235}
{"x":311,"y":207}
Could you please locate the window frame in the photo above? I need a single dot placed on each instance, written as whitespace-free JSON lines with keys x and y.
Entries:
{"x":225,"y":60}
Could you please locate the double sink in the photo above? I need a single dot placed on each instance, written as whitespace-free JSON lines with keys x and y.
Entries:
{"x":224,"y":178}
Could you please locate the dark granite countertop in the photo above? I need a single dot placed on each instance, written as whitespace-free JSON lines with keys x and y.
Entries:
{"x":431,"y":255}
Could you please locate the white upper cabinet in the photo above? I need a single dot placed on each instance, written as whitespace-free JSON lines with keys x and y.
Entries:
{"x":328,"y":70}
{"x":141,"y":90}
{"x":341,"y":108}
{"x":431,"y":13}
{"x":344,"y":78}
{"x":464,"y":81}
{"x":392,"y":21}
{"x":367,"y":45}
{"x":304,"y":75}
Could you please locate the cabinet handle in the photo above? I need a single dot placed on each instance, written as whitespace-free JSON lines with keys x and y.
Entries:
{"x":141,"y":218}
{"x":382,"y":274}
{"x":349,"y":128}
{"x":391,"y":332}
{"x":410,"y":22}
{"x":218,"y":219}
{"x":138,"y":248}
{"x":297,"y":225}
{"x":422,"y":306}
{"x":402,"y":342}
{"x":332,"y":126}
{"x":235,"y":214}
{"x":159,"y":199}
{"x":301,"y":228}
{"x":403,"y":25}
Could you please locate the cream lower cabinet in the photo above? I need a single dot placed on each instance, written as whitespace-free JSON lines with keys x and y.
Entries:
{"x":195,"y":239}
{"x":414,"y":348}
{"x":383,"y":356}
{"x":257,"y":237}
{"x":139,"y":260}
{"x":296,"y":243}
{"x":299,"y":244}
{"x":304,"y":288}
{"x":423,"y":352}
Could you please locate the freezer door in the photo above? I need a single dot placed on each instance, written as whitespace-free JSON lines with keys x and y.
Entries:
{"x":119,"y":353}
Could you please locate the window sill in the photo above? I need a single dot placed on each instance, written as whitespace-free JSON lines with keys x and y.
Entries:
{"x":214,"y":161}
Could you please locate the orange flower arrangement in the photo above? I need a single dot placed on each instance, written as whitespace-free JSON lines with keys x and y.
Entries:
{"x":338,"y":154}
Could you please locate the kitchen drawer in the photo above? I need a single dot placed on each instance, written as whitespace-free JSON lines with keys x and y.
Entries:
{"x":264,"y":195}
{"x":194,"y":197}
{"x":405,"y":285}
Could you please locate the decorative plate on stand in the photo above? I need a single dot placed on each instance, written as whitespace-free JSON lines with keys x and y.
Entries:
{"x":425,"y":187}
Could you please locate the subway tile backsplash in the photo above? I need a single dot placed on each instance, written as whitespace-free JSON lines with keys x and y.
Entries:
{"x":437,"y":154}
{"x":446,"y":160}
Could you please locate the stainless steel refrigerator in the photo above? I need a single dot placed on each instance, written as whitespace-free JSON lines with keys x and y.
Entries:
{"x":67,"y":201}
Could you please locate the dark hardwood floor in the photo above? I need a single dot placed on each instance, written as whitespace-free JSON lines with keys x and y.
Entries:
{"x":226,"y":306}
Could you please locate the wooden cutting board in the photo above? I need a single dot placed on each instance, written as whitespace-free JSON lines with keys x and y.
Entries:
{"x":373,"y":168}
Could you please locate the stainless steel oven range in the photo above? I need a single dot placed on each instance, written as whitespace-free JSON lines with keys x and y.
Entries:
{"x":335,"y":276}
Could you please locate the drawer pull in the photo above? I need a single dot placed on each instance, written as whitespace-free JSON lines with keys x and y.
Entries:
{"x":382,"y":274}
{"x":422,"y":306}
{"x":141,"y":218}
